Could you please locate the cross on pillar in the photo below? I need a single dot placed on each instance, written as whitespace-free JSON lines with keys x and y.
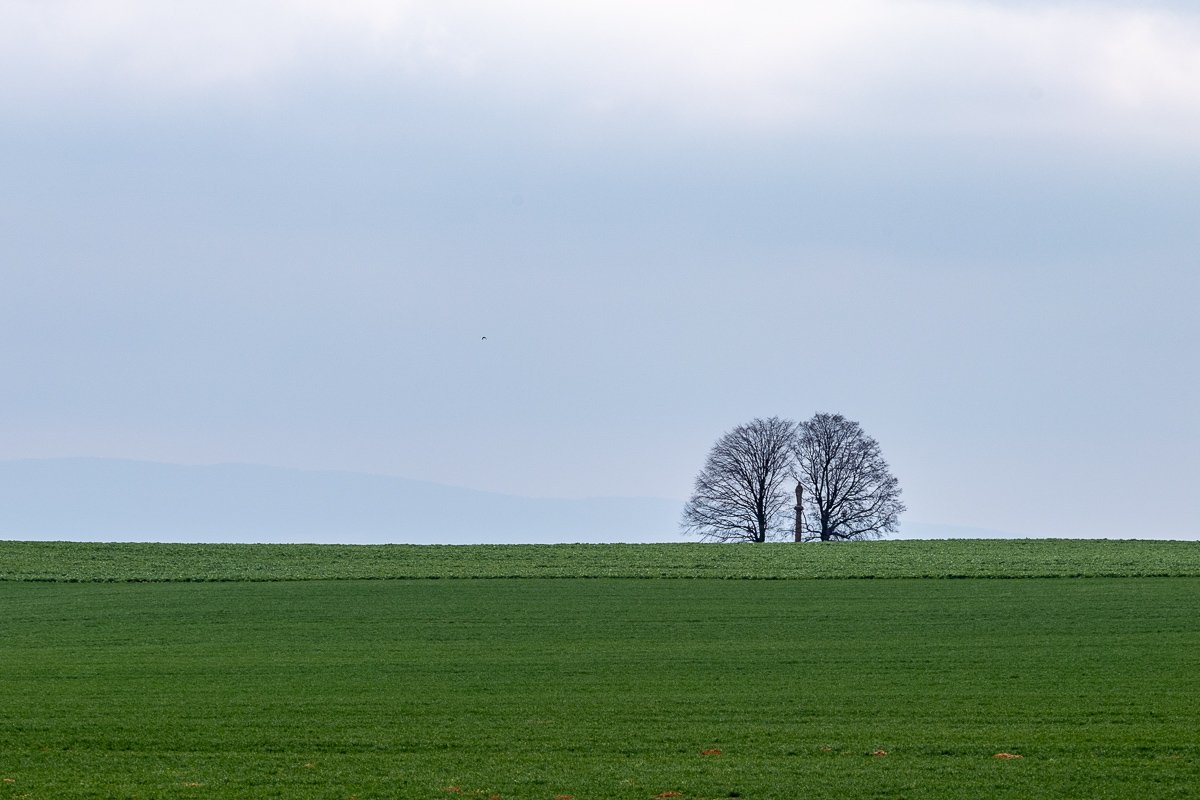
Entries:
{"x":799,"y":512}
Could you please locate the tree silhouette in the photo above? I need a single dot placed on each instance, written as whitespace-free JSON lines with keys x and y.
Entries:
{"x":850,"y":492}
{"x":741,"y":494}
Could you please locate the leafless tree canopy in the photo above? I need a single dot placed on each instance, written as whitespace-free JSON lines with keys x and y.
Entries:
{"x":849,"y":491}
{"x":744,"y":493}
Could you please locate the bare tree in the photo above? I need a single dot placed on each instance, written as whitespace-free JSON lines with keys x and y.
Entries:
{"x":740,"y":495}
{"x":852,"y":494}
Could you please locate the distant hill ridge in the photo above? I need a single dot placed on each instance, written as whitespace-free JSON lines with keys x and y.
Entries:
{"x":96,"y":499}
{"x":103,"y":499}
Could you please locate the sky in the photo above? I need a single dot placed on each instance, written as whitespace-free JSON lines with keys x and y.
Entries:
{"x":276,"y":233}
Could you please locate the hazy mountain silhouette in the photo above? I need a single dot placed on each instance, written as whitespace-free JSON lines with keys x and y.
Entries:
{"x":98,"y":499}
{"x":82,"y":499}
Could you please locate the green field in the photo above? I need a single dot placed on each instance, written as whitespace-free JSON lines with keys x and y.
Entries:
{"x":598,"y":688}
{"x":1035,"y":558}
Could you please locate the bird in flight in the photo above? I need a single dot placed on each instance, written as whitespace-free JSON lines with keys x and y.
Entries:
{"x":483,"y":338}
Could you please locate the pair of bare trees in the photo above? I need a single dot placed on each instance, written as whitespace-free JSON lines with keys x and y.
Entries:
{"x":745,"y":490}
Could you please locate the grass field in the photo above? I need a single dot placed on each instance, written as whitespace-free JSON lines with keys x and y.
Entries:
{"x":1041,"y":558}
{"x":601,"y":688}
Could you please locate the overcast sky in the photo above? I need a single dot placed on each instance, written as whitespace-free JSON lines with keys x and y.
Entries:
{"x":275,"y":232}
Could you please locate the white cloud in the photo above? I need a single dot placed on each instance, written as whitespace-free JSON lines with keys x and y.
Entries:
{"x":1081,"y":72}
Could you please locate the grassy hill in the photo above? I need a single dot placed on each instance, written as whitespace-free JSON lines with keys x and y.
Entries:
{"x":975,"y":558}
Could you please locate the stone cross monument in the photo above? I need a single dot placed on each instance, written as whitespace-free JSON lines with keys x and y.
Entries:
{"x":799,"y":511}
